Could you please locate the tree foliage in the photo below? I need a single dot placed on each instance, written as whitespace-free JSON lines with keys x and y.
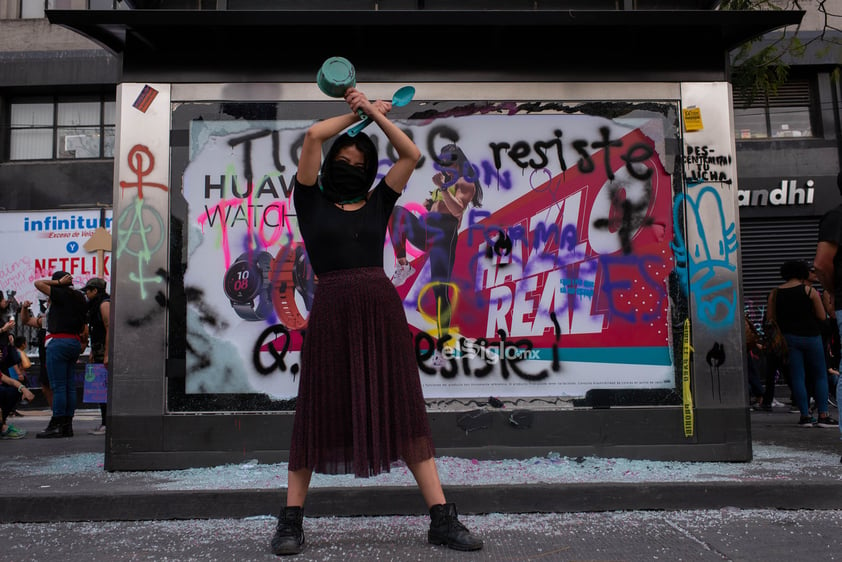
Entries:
{"x":759,"y":67}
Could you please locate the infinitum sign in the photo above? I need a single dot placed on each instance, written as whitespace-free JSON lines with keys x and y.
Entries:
{"x":41,"y":242}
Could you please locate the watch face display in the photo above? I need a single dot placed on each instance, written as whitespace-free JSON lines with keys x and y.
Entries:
{"x":243,"y":282}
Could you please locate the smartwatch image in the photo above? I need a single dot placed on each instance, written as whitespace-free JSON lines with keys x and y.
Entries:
{"x":247,"y":285}
{"x":291,"y":272}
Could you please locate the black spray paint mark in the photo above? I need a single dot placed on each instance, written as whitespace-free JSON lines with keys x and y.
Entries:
{"x":474,"y":421}
{"x":715,"y":358}
{"x":556,"y":366}
{"x":521,"y":419}
{"x":276,"y":332}
{"x":628,"y":217}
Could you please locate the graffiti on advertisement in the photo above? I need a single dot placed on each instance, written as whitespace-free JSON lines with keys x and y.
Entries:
{"x":532,"y":253}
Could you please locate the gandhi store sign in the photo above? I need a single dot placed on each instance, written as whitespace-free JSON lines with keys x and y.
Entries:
{"x":788,"y":194}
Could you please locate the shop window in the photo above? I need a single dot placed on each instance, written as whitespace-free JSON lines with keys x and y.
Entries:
{"x":31,"y":10}
{"x":788,"y":113}
{"x":70,"y":5}
{"x":34,"y":9}
{"x":61,"y":129}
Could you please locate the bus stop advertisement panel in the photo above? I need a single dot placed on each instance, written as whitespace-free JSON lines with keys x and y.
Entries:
{"x":599,"y":249}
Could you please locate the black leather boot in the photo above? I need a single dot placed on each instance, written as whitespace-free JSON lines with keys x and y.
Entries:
{"x":53,"y":429}
{"x":445,"y":528}
{"x":289,"y":536}
{"x":67,"y":427}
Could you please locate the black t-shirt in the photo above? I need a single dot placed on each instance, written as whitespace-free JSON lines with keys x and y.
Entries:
{"x":337,"y":239}
{"x":8,"y":355}
{"x":67,"y":311}
{"x":830,"y":230}
{"x":794,"y":312}
{"x":95,"y":321}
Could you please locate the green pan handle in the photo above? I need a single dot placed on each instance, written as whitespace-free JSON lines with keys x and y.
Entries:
{"x":355,"y":130}
{"x":399,"y":99}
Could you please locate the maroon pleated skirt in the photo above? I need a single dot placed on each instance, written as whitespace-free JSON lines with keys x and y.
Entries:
{"x":360,"y":406}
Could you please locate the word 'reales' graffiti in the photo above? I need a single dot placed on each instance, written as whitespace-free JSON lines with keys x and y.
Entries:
{"x":240,"y":208}
{"x":702,"y":164}
{"x":529,"y":255}
{"x":713,"y":254}
{"x":140,"y":227}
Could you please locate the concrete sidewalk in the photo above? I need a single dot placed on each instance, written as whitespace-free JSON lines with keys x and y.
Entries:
{"x":51,"y":480}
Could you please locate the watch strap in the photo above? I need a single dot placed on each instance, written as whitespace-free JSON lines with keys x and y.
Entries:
{"x":283,"y":295}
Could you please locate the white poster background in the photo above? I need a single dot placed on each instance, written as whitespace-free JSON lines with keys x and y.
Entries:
{"x":37,"y":243}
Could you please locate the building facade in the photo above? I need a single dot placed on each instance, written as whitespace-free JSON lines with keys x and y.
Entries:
{"x":631,"y":161}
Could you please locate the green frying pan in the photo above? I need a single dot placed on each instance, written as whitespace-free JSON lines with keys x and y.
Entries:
{"x":336,"y":75}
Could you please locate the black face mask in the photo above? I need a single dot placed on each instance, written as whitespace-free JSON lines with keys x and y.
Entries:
{"x":344,"y":183}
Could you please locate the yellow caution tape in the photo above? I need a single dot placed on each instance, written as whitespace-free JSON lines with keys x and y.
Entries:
{"x":687,"y":399}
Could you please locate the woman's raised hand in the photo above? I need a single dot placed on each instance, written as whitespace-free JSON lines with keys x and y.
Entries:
{"x":383,"y":107}
{"x":358,"y":100}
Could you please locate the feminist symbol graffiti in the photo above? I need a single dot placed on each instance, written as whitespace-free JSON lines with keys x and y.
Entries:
{"x":137,"y":155}
{"x":140,"y":220}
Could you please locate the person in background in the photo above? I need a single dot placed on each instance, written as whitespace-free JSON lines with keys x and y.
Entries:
{"x":359,"y":407}
{"x":797,"y":308}
{"x":7,"y":327}
{"x":25,"y":363}
{"x":99,"y":306}
{"x":769,"y":356}
{"x":830,"y":338}
{"x":23,"y":366}
{"x":4,"y":310}
{"x":9,"y":356}
{"x":37,"y":322}
{"x":828,"y":264}
{"x":65,"y":324}
{"x":753,"y":351}
{"x":11,"y":389}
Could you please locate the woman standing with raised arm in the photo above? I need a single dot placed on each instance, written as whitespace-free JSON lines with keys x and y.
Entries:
{"x":360,"y":406}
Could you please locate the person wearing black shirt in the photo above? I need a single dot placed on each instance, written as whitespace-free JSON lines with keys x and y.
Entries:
{"x":798,"y":310}
{"x":99,"y":306}
{"x":828,"y":265}
{"x":39,"y":323}
{"x":65,"y":323}
{"x":360,"y":406}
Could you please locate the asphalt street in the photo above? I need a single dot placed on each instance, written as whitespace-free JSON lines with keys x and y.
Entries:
{"x":57,"y":503}
{"x":710,"y":535}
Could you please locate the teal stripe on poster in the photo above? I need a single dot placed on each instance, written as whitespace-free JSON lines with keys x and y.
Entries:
{"x":629,"y":355}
